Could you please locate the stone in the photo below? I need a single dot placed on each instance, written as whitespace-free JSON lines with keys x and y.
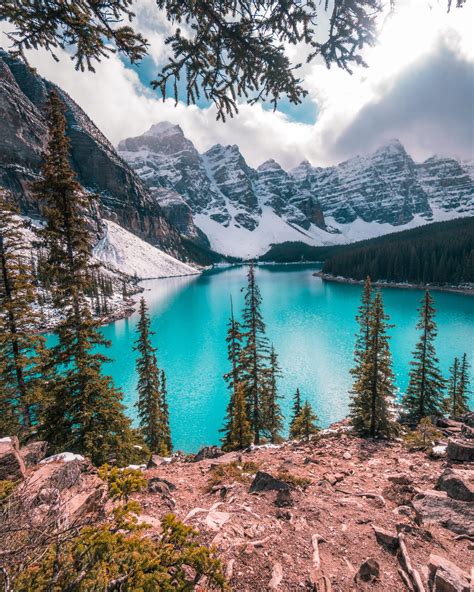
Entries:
{"x":155,"y":461}
{"x":333,"y":478}
{"x":446,"y":576}
{"x":458,"y":485}
{"x":34,"y":453}
{"x":369,"y":570}
{"x":347,"y":455}
{"x":208,"y":452}
{"x":266,"y":482}
{"x":386,"y":538}
{"x":400,"y":479}
{"x":447,"y":581}
{"x":12,"y":466}
{"x":437,"y":508}
{"x":215,"y":520}
{"x":160,"y":485}
{"x":461,"y":450}
{"x":468,"y":419}
{"x":283,"y":499}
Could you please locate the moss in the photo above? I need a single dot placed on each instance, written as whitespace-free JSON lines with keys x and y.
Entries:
{"x":229,"y":472}
{"x":293,"y":480}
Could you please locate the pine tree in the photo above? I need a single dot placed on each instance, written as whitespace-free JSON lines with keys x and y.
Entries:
{"x":150,"y":383}
{"x":234,"y":346}
{"x":272,"y":415}
{"x":363,"y":319}
{"x":296,"y":408}
{"x":240,"y":435}
{"x":254,"y":354}
{"x":373,"y":390}
{"x":85,"y":413}
{"x":461,"y":401}
{"x":22,"y":352}
{"x":304,"y":424}
{"x":450,"y":404}
{"x":425,"y":389}
{"x":165,"y":425}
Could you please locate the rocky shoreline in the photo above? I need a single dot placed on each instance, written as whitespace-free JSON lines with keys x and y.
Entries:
{"x":467,"y":290}
{"x":335,"y":514}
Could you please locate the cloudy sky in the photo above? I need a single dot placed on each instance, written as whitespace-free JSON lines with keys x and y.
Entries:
{"x":419,"y":88}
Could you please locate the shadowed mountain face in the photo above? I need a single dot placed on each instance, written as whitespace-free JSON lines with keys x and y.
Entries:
{"x":123,"y":196}
{"x":230,"y":201}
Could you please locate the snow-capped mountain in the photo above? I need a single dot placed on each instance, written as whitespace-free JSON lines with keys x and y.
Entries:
{"x":243,"y":210}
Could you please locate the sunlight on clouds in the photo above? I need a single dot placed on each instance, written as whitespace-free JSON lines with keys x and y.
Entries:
{"x":122,"y":106}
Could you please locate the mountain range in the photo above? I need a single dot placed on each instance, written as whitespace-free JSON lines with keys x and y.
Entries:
{"x":217,"y":198}
{"x":162,"y":190}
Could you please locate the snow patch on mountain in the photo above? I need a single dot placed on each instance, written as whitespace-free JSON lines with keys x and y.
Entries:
{"x":129,"y":254}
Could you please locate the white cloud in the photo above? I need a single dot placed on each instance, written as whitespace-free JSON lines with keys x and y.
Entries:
{"x":122,"y":106}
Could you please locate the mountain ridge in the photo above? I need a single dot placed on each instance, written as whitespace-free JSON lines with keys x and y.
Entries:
{"x":242,"y":210}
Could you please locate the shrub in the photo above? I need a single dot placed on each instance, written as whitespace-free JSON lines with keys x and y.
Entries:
{"x":423,"y":437}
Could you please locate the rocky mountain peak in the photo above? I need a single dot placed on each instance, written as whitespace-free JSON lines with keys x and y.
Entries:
{"x":164,"y":128}
{"x":270,"y":165}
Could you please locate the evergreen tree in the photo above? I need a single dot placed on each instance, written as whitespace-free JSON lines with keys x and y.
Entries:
{"x":373,"y":390}
{"x":450,"y":403}
{"x":150,"y":405}
{"x":461,"y":404}
{"x":296,"y":408}
{"x":363,"y":319}
{"x":85,"y":413}
{"x":272,"y":415}
{"x":165,"y":422}
{"x":22,"y":352}
{"x":234,"y":346}
{"x":254,"y":354}
{"x":425,"y":389}
{"x":304,"y":424}
{"x":240,"y":435}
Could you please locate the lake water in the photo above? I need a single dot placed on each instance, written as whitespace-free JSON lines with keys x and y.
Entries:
{"x":310,"y":322}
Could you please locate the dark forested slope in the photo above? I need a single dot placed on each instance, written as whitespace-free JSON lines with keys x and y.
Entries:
{"x":439,"y":253}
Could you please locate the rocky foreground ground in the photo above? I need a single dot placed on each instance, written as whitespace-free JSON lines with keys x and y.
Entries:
{"x":337,"y":513}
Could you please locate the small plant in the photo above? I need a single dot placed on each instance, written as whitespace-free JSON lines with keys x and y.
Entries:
{"x":423,"y":437}
{"x":233,"y":471}
{"x":115,"y":555}
{"x":6,"y":488}
{"x":293,"y":480}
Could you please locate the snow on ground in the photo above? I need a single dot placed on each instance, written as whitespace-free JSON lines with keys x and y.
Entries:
{"x":129,"y":254}
{"x":240,"y":242}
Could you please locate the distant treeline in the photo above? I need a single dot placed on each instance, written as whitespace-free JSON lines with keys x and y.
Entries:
{"x":295,"y":251}
{"x":439,"y":253}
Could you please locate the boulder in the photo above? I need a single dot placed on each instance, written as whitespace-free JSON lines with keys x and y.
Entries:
{"x":369,"y":570}
{"x":436,"y":507}
{"x":159,"y":485}
{"x":386,"y":538}
{"x":208,"y":452}
{"x":34,"y":453}
{"x":468,"y":419}
{"x":12,"y":466}
{"x":445,"y":576}
{"x":461,"y":450}
{"x":266,"y":482}
{"x":458,"y":485}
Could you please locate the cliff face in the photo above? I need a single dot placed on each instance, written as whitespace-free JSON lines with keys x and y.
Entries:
{"x":123,"y":197}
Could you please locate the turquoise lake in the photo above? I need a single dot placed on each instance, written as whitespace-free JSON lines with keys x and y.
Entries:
{"x":310,"y":322}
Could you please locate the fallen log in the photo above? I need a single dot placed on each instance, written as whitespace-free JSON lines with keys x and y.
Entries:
{"x":413,"y":573}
